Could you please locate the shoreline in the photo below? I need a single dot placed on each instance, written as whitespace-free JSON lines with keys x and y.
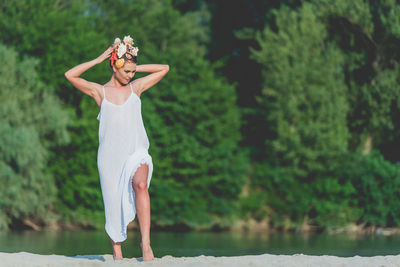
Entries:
{"x":240,"y":226}
{"x":23,"y":259}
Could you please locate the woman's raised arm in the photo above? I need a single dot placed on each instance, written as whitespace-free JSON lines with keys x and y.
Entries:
{"x":158,"y":71}
{"x":89,"y":88}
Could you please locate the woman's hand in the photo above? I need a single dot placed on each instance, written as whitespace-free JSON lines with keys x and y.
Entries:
{"x":106,"y":54}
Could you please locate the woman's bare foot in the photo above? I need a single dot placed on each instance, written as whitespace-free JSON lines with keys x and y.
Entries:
{"x":117,"y":258}
{"x":147,"y":252}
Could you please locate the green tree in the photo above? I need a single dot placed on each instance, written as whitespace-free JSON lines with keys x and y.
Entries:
{"x":60,"y":34}
{"x":32,"y":121}
{"x":368,"y":33}
{"x":330,"y":94}
{"x":304,"y":96}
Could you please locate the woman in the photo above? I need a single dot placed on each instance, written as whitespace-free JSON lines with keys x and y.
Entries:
{"x":125,"y":167}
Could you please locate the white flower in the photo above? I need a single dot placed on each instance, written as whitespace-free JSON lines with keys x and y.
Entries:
{"x":134,"y":51}
{"x":128,"y":40}
{"x":121,"y":50}
{"x":117,"y":41}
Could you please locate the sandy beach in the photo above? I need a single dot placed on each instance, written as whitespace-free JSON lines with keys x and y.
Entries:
{"x":22,"y":259}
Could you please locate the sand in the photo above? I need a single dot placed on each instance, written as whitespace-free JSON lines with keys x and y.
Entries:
{"x":29,"y":259}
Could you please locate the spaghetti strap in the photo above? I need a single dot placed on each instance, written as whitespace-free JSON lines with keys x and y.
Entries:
{"x":136,"y":93}
{"x":104,"y":92}
{"x":130,"y":84}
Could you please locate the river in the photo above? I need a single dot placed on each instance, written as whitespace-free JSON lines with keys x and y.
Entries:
{"x":73,"y":243}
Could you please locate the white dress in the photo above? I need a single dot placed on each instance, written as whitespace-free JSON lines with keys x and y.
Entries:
{"x":123,"y":147}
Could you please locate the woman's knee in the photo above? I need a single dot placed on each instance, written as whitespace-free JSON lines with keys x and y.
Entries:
{"x":139,"y":181}
{"x":139,"y":185}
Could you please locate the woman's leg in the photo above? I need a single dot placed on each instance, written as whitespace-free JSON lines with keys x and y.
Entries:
{"x":117,"y":252}
{"x":142,"y":203}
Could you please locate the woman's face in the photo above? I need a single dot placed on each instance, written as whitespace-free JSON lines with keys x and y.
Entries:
{"x":126,"y":73}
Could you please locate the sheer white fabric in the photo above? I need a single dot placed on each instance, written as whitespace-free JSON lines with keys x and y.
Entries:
{"x":123,"y":147}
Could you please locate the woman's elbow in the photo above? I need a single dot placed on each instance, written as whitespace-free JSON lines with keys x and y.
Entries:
{"x":67,"y":75}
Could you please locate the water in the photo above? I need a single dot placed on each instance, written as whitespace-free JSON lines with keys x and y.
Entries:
{"x":73,"y":243}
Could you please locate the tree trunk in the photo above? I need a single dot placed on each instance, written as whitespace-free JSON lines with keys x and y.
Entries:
{"x":368,"y":144}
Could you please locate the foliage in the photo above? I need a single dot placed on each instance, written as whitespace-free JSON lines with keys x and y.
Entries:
{"x":329,"y":80}
{"x":32,"y":122}
{"x":368,"y":34}
{"x":377,"y":188}
{"x":304,"y":95}
{"x":59,"y":34}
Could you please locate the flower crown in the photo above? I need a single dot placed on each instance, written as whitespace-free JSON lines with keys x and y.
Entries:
{"x":120,"y":51}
